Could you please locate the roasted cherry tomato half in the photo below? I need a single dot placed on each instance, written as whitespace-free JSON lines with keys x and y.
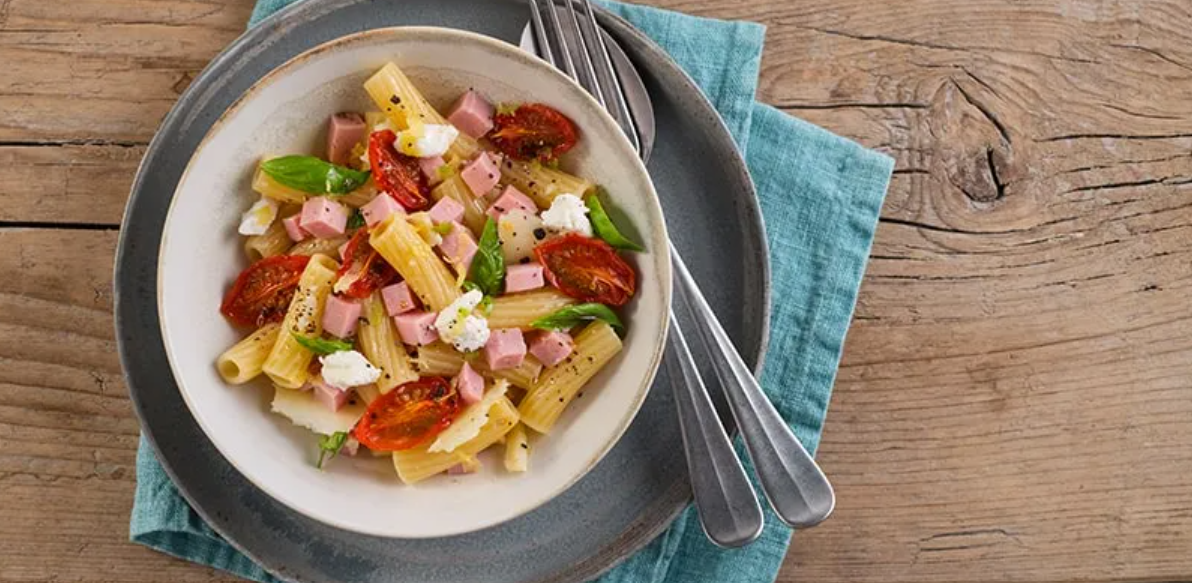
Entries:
{"x":397,"y":174}
{"x":586,"y":269}
{"x":408,"y":416}
{"x":533,"y":131}
{"x":363,"y":269}
{"x":263,"y":291}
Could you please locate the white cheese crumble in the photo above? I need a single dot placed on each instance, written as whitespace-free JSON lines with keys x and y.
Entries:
{"x":426,"y":140}
{"x":348,"y":368}
{"x":258,"y":217}
{"x":567,"y":212}
{"x":458,"y":325}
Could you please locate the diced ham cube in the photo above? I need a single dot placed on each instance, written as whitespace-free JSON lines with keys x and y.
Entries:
{"x":344,"y":131}
{"x":416,"y":328}
{"x":430,"y":169}
{"x":379,"y":209}
{"x":398,"y":298}
{"x":481,"y":174}
{"x":469,"y":384}
{"x":472,"y":114}
{"x":329,"y":396}
{"x":323,"y":217}
{"x":293,"y":229}
{"x":447,"y":210}
{"x":522,"y":277}
{"x":458,"y":248}
{"x":551,"y":347}
{"x":506,"y":348}
{"x":340,"y":316}
{"x":511,"y":198}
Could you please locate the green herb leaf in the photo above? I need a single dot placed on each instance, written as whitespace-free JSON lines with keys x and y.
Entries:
{"x":310,"y":174}
{"x":444,"y":228}
{"x":572,"y":316}
{"x":488,"y":265}
{"x":356,"y":219}
{"x":485,"y":306}
{"x":321,"y":346}
{"x":604,"y":227}
{"x":507,"y":108}
{"x":330,"y":444}
{"x":469,"y":286}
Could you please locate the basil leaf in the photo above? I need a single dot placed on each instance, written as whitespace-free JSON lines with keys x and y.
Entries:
{"x":310,"y":174}
{"x":356,"y":219}
{"x":444,"y":228}
{"x":485,"y":307}
{"x":330,"y":444}
{"x":488,"y":265}
{"x":321,"y":346}
{"x":469,"y":286}
{"x":572,"y":316}
{"x":604,"y":227}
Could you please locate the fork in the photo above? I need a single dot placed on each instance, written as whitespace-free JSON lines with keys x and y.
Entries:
{"x":794,"y":485}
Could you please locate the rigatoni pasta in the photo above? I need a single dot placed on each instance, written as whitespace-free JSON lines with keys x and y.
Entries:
{"x":420,"y":303}
{"x":245,"y":360}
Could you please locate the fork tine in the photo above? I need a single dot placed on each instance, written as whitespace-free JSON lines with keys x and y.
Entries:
{"x":540,"y":34}
{"x":606,"y":78}
{"x":590,"y":82}
{"x":560,"y":38}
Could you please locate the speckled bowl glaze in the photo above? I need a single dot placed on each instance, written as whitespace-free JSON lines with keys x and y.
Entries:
{"x":201,"y":254}
{"x":618,"y":507}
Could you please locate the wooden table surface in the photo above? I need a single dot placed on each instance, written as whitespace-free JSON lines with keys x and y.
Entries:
{"x":1015,"y":400}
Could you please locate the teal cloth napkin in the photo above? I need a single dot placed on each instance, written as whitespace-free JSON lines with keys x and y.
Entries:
{"x":820,"y":195}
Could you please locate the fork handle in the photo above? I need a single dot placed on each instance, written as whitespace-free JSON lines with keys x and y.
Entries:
{"x":795,"y":486}
{"x":728,"y":508}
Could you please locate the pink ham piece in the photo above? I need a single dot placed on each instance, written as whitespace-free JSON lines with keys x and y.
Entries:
{"x":469,"y":384}
{"x":340,"y":316}
{"x":551,"y":347}
{"x":329,"y":396}
{"x":293,"y":229}
{"x":379,"y":209}
{"x":481,"y":174}
{"x":344,"y":131}
{"x":523,"y":277}
{"x":323,"y":217}
{"x":472,"y":114}
{"x":416,"y":328}
{"x":506,"y":348}
{"x":398,"y":298}
{"x":511,"y":198}
{"x":430,"y":169}
{"x":447,"y":210}
{"x":458,"y":248}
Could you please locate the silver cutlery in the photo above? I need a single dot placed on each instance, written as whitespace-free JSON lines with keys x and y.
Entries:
{"x":792,"y":482}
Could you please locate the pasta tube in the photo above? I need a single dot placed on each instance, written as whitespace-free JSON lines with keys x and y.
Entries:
{"x":414,"y":465}
{"x":456,"y":189}
{"x":595,"y":345}
{"x":541,"y":183}
{"x":378,"y":342}
{"x":520,"y":310}
{"x":397,"y":96}
{"x":274,"y":241}
{"x":243,"y":361}
{"x":266,"y":186}
{"x":442,"y":360}
{"x":517,"y":450}
{"x":400,"y":245}
{"x":287,"y":362}
{"x":314,"y":246}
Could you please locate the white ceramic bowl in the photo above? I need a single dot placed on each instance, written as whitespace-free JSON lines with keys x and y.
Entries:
{"x":201,"y":254}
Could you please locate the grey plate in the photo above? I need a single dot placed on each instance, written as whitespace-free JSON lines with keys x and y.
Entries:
{"x":629,"y":498}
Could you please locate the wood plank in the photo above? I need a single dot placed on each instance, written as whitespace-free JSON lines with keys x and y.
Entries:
{"x":1013,"y":399}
